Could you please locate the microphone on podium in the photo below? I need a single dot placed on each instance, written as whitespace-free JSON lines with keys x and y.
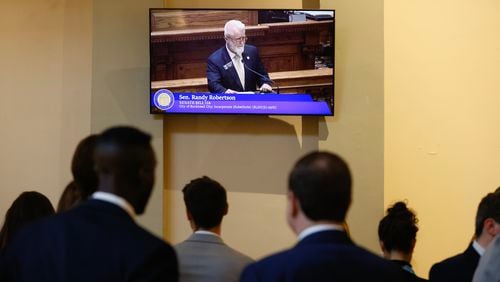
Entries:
{"x":262,"y":76}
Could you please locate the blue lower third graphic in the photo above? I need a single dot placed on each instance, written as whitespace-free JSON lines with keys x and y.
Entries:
{"x":210,"y":103}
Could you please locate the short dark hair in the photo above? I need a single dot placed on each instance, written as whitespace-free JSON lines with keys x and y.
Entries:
{"x":321,"y":181}
{"x":123,"y":137}
{"x":26,"y":208}
{"x":489,"y":207}
{"x":398,"y":229}
{"x":125,"y":153}
{"x":206,"y":201}
{"x":126,"y":140}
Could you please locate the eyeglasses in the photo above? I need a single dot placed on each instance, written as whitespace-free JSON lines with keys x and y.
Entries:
{"x":239,"y":39}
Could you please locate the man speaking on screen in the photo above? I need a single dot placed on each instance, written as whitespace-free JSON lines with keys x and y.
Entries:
{"x":236,"y":67}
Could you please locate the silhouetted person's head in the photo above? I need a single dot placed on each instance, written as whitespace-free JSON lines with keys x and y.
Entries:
{"x":26,"y":208}
{"x":397,"y":232}
{"x":84,"y":176}
{"x":82,"y":166}
{"x":125,"y":164}
{"x":488,"y":218}
{"x":70,"y":197}
{"x":206,"y":203}
{"x":319,"y":190}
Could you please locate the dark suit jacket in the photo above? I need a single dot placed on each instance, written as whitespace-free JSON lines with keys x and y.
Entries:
{"x":406,"y":268}
{"x":455,"y":269}
{"x":96,"y":241}
{"x":323,"y":256}
{"x":222,"y":75}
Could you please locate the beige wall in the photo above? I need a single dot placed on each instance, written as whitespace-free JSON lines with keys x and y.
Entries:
{"x":70,"y":68}
{"x":252,"y":156}
{"x":357,"y":130}
{"x":120,"y":81}
{"x":45,"y":76}
{"x":442,"y":143}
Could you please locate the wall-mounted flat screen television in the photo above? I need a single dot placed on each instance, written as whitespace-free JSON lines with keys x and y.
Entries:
{"x":252,"y":61}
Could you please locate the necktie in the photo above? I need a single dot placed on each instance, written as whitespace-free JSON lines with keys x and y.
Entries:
{"x":239,"y":69}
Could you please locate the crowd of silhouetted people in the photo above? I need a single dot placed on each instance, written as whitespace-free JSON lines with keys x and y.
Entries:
{"x":93,"y":236}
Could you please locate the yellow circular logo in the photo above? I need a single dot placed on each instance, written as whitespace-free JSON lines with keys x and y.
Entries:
{"x":163,"y":99}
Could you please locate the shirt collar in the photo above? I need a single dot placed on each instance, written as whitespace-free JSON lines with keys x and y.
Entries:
{"x":115,"y":200}
{"x":318,"y":228}
{"x":205,"y":232}
{"x":232,"y":55}
{"x":479,"y":249}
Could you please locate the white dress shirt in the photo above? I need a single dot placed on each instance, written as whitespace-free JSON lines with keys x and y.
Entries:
{"x":479,"y":249}
{"x":205,"y":232}
{"x":115,"y":200}
{"x":318,"y":228}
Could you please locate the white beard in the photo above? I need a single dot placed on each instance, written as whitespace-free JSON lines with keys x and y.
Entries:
{"x":236,"y":49}
{"x":239,"y":50}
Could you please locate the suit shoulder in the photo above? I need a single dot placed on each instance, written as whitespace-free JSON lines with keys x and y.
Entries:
{"x":251,"y":47}
{"x":221,"y":250}
{"x":266,"y":267}
{"x":216,"y":55}
{"x":450,"y":266}
{"x":273,"y":259}
{"x":39,"y":226}
{"x":239,"y":255}
{"x":448,"y":262}
{"x":152,"y":238}
{"x":323,"y":263}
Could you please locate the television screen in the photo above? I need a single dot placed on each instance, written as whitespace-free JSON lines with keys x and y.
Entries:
{"x":268,"y":62}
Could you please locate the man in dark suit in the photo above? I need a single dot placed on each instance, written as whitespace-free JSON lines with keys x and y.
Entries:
{"x":318,"y":199}
{"x":99,"y":239}
{"x":462,"y":266}
{"x":204,"y":257}
{"x":236,"y":67}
